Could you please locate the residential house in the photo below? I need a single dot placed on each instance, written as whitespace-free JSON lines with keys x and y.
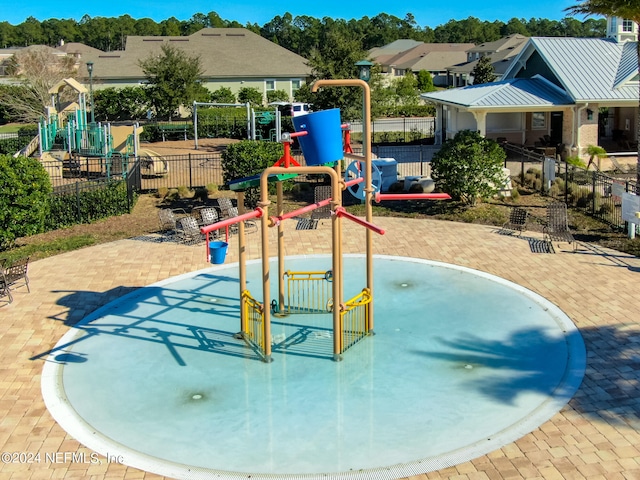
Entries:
{"x":562,"y":92}
{"x":501,"y":52}
{"x":401,"y":56}
{"x":230,"y":57}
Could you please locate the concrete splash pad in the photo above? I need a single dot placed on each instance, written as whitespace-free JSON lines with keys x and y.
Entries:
{"x":462,"y":363}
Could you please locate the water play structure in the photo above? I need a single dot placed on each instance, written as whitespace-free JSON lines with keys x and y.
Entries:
{"x":162,"y":380}
{"x":321,"y":140}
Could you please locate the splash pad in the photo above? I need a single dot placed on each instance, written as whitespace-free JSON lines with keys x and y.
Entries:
{"x":166,"y":387}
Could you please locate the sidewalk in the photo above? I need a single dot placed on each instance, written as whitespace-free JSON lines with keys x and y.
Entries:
{"x":595,"y":436}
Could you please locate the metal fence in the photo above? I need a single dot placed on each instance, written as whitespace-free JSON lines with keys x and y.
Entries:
{"x":409,"y":129}
{"x":592,"y":192}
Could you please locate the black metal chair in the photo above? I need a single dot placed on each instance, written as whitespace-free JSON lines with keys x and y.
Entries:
{"x":557,"y":227}
{"x":14,"y":275}
{"x":517,"y":220}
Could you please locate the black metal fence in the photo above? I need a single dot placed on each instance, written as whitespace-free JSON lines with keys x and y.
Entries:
{"x":592,"y":192}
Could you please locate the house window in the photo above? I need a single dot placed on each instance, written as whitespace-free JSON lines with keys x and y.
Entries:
{"x":614,"y":24}
{"x":538,"y":121}
{"x":399,"y":72}
{"x":270,"y":85}
{"x":296,"y":84}
{"x":627,"y":25}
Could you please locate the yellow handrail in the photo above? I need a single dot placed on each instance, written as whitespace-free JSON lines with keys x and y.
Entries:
{"x":354,"y":317}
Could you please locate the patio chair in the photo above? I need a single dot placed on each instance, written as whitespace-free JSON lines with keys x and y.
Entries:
{"x":618,"y":167}
{"x":251,"y":224}
{"x":225,"y":206}
{"x":517,"y":220}
{"x":188,"y":231}
{"x":168,"y":219}
{"x":14,"y":275}
{"x":557,"y":227}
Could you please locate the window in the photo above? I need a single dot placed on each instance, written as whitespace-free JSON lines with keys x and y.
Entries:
{"x":627,"y":25}
{"x":538,"y":120}
{"x":296,"y":84}
{"x":614,"y":24}
{"x":270,"y":85}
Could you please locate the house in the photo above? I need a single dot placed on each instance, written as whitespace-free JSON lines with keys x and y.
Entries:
{"x":562,"y":92}
{"x":501,"y":52}
{"x":230,"y":57}
{"x":398,"y":57}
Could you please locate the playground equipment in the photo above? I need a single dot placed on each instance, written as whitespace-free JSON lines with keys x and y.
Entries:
{"x":64,"y":129}
{"x":320,"y":137}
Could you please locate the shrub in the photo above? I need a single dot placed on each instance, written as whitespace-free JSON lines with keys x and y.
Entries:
{"x":94,"y":202}
{"x":247,"y":158}
{"x":469,"y":166}
{"x":184,"y":192}
{"x":24,"y":194}
{"x":515,"y":194}
{"x":212,"y":188}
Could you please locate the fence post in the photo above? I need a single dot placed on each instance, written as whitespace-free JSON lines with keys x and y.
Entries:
{"x":78,"y":202}
{"x":593,"y":193}
{"x":421,"y":161}
{"x":190,"y":174}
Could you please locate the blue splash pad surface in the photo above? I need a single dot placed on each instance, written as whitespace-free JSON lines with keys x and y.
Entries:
{"x":461,"y":363}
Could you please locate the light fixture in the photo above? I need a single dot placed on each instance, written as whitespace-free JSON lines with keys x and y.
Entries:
{"x":364,"y":70}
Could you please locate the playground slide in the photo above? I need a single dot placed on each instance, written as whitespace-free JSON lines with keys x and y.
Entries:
{"x":31,"y":147}
{"x":152,"y":163}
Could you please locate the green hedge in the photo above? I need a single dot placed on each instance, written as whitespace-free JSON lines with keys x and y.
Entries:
{"x":90,"y":203}
{"x":24,"y":193}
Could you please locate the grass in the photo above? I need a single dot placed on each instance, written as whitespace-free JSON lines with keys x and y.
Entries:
{"x":48,"y":248}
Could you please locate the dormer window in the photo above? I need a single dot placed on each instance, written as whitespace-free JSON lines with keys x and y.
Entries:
{"x":614,"y":25}
{"x":627,"y":25}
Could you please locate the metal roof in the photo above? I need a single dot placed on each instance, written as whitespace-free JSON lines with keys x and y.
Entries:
{"x":513,"y":93}
{"x":589,"y":69}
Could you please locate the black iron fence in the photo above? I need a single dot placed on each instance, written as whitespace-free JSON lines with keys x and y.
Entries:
{"x":594,"y":193}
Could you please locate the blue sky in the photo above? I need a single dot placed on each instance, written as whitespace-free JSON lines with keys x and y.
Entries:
{"x":427,"y":13}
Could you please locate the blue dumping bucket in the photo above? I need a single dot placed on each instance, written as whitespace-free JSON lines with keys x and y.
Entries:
{"x":323,"y":142}
{"x":217,"y":252}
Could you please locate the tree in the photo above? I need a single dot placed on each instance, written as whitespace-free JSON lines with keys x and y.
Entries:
{"x":173,"y":80}
{"x":37,"y":70}
{"x":469,"y":166}
{"x":616,"y":8}
{"x":406,"y":88}
{"x":277,"y":96}
{"x":483,"y":72}
{"x":128,"y":103}
{"x":425,"y":81}
{"x":222,"y":95}
{"x":251,"y":95}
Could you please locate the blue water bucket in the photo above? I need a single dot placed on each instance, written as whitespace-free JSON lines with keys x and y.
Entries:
{"x":217,"y":252}
{"x":323,"y":142}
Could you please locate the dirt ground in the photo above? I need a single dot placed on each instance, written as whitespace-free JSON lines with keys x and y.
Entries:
{"x":184,"y":147}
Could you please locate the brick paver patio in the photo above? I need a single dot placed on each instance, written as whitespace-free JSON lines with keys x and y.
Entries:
{"x":596,"y":436}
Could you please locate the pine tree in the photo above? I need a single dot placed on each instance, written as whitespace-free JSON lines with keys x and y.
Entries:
{"x":483,"y":72}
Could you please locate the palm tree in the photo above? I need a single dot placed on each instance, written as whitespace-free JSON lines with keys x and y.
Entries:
{"x":629,"y":9}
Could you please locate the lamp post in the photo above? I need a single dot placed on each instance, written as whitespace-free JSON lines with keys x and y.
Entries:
{"x":90,"y":70}
{"x":364,"y":70}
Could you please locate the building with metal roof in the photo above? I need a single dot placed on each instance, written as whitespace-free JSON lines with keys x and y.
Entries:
{"x":560,"y":92}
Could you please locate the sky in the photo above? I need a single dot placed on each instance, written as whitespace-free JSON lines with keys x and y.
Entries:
{"x":426,"y":13}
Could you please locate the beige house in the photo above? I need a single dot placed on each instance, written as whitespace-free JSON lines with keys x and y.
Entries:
{"x":230,"y":57}
{"x":398,"y":57}
{"x":501,"y":52}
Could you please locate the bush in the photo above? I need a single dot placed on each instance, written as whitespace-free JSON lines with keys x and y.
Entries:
{"x":469,"y":166}
{"x":248,"y":158}
{"x":24,"y":194}
{"x":95,"y":202}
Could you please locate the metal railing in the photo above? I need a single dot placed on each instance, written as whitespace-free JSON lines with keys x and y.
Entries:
{"x":308,"y":292}
{"x":354,"y":319}
{"x":254,"y":315}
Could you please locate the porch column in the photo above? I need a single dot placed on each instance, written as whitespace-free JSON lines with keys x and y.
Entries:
{"x":437,"y":134}
{"x":481,"y":121}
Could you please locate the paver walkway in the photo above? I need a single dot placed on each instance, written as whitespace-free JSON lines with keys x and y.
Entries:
{"x":596,"y":436}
